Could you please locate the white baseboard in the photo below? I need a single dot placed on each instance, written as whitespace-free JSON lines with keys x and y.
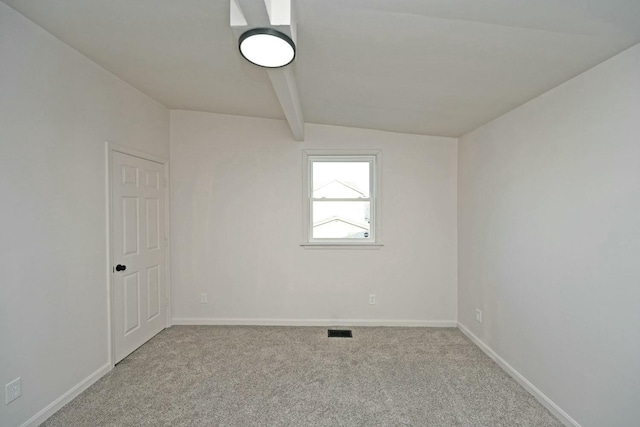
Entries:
{"x":314,"y":322}
{"x":54,"y":406}
{"x":525,"y":383}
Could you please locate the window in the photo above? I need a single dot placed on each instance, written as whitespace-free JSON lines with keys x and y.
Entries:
{"x":341,"y":198}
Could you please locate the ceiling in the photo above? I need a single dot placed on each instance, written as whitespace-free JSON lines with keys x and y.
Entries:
{"x":435,"y":67}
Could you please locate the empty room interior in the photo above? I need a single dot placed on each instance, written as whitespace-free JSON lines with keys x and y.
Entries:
{"x":320,"y":213}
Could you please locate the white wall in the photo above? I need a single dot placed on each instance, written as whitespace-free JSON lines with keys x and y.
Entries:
{"x":57,"y":109}
{"x":549,"y":238}
{"x":237,"y":226}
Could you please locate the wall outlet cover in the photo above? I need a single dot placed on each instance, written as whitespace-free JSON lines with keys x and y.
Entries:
{"x":13,"y":390}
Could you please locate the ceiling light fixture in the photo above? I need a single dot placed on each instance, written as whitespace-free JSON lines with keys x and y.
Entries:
{"x":267,"y":47}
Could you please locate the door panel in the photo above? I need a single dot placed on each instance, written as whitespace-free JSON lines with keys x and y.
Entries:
{"x":130,"y":215}
{"x":131,"y":294}
{"x":138,"y":207}
{"x":129,"y":175}
{"x":153,"y":224}
{"x":153,"y":290}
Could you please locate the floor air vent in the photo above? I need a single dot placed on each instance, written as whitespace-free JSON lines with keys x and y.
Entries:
{"x":340,"y":333}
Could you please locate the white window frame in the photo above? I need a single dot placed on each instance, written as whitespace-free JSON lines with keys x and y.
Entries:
{"x":374,"y":158}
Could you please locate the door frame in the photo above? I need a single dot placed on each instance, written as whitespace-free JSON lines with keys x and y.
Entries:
{"x":110,"y":148}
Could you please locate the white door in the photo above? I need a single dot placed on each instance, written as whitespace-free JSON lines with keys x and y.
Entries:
{"x":138,"y":241}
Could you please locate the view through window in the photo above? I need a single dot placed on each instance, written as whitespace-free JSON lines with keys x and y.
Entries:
{"x":342,"y":197}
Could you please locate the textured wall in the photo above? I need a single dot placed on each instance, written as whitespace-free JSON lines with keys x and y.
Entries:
{"x":549,"y":237}
{"x":237,"y":226}
{"x":57,"y":109}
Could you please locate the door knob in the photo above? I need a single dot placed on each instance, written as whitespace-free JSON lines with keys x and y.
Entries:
{"x":121,"y":267}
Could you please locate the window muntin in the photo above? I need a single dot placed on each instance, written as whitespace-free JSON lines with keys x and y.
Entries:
{"x":341,"y":198}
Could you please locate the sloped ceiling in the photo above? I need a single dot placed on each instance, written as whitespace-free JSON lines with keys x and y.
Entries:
{"x":419,"y":66}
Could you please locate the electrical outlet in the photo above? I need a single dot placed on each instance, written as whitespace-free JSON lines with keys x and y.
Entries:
{"x":203,"y":299}
{"x":13,"y":390}
{"x":372,"y":299}
{"x":478,"y":315}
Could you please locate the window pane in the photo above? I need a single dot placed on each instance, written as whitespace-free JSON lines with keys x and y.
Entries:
{"x":341,"y":220}
{"x":341,"y":180}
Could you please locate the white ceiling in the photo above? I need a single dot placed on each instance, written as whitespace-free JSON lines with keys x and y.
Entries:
{"x":436,"y":67}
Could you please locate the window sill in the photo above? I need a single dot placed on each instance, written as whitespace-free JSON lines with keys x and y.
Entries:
{"x":321,"y":245}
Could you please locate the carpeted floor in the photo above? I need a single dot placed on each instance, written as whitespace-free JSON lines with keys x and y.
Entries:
{"x":286,"y":376}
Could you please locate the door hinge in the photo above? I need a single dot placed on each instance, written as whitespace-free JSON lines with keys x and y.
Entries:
{"x":166,"y":242}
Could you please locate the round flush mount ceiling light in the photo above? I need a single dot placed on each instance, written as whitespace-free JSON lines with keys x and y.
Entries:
{"x":267,"y":47}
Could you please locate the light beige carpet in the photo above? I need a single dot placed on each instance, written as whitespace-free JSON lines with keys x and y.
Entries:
{"x":289,"y":376}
